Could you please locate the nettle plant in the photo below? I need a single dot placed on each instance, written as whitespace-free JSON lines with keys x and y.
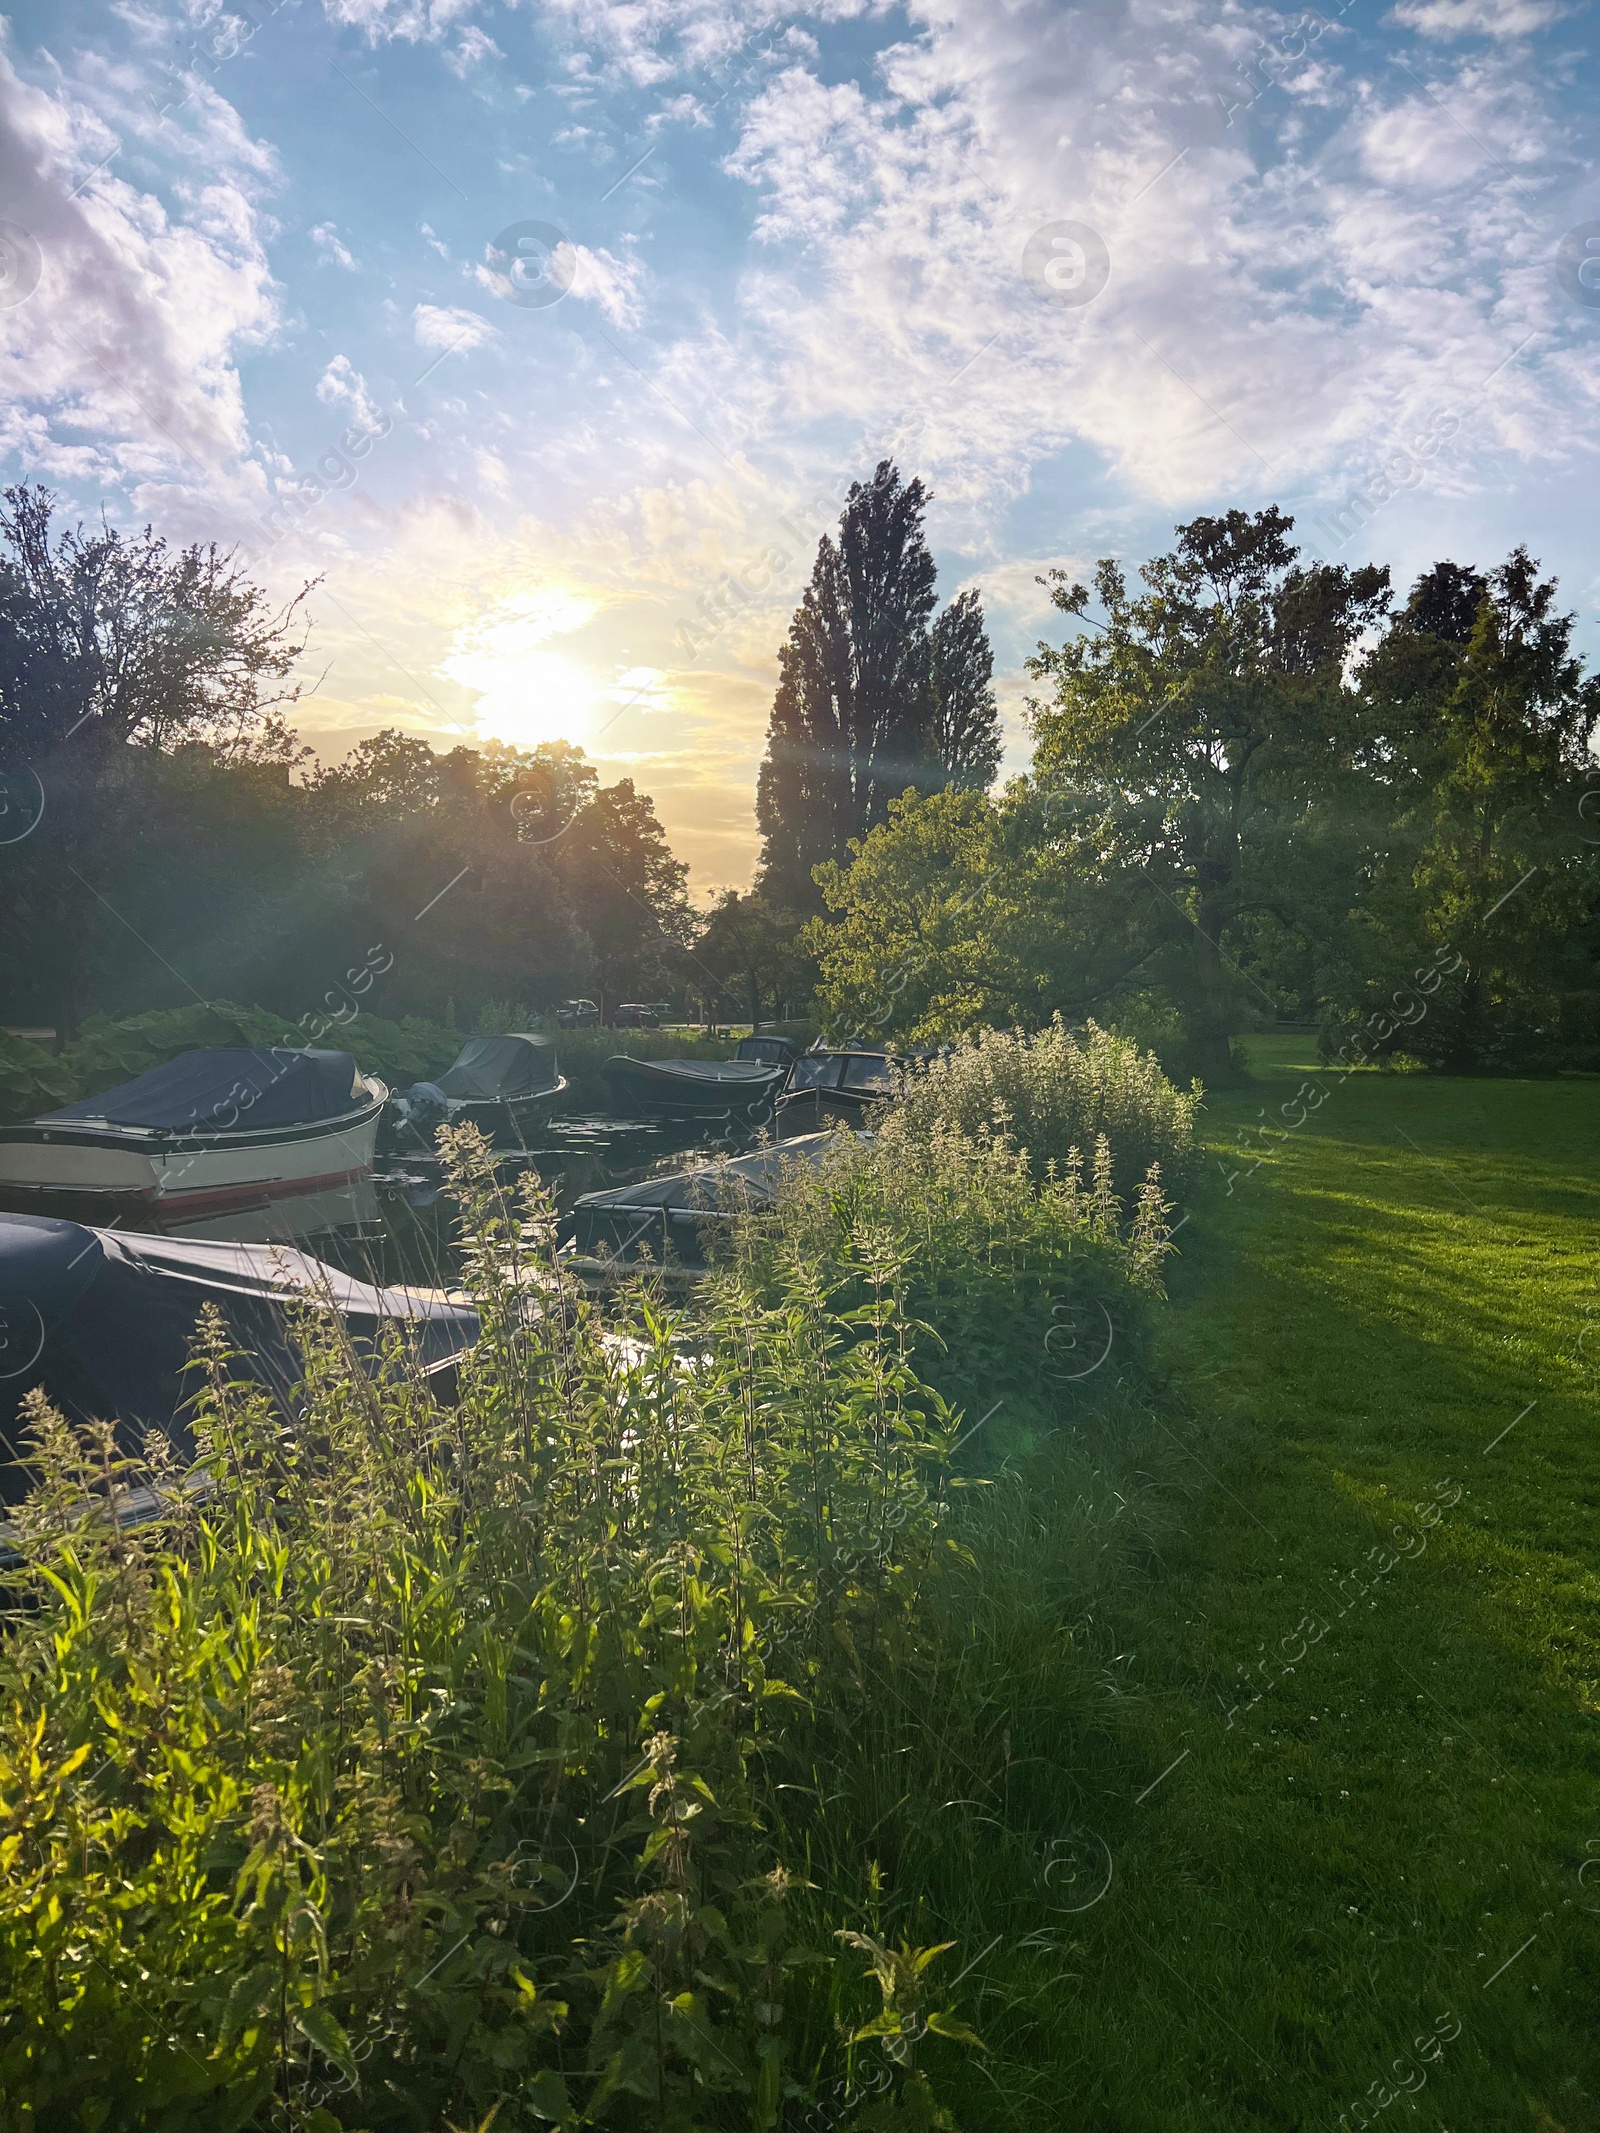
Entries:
{"x":1054,"y":1092}
{"x":998,"y":1271}
{"x":445,"y":1764}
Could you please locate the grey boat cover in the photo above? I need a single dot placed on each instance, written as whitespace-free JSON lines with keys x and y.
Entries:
{"x":697,"y":1073}
{"x":667,"y":1210}
{"x":490,"y":1069}
{"x":768,"y":1051}
{"x":103,"y":1321}
{"x":228,"y":1089}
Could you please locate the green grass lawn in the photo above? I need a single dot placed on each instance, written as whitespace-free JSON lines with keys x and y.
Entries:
{"x":1370,"y":1484}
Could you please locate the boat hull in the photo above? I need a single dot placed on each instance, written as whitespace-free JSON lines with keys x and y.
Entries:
{"x":652,"y":1089}
{"x":187,"y":1174}
{"x":499,"y":1118}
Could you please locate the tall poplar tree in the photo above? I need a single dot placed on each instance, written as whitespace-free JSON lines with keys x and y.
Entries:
{"x":874,"y":695}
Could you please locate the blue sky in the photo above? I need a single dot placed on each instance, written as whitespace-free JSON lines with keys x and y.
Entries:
{"x":266,"y":277}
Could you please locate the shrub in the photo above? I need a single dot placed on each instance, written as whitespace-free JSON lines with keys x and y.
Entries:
{"x":32,"y":1079}
{"x":453,"y":1763}
{"x":1052,"y":1094}
{"x":1007,"y":1286}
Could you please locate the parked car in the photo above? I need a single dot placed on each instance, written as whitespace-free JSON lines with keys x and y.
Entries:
{"x":577,"y":1014}
{"x":635,"y":1014}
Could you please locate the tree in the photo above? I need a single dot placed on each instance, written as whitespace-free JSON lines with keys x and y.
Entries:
{"x":873,"y":696}
{"x":1211,"y":719}
{"x":961,"y":912}
{"x":965,"y":736}
{"x":628,"y":892}
{"x":1482,"y":718}
{"x":112,"y":644}
{"x":753,"y":946}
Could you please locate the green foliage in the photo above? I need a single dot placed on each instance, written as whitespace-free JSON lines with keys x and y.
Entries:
{"x":1213,"y":718}
{"x":32,"y":1079}
{"x":874,"y":695}
{"x":448,"y":1762}
{"x":1010,"y":1284}
{"x":749,"y":950}
{"x":1052,"y":1094}
{"x":1488,"y":863}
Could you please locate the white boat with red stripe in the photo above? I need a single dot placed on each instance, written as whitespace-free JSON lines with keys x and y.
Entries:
{"x":203,"y":1134}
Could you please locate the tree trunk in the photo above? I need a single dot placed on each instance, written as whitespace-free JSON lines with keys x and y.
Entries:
{"x":753,"y":987}
{"x":1208,"y":1015}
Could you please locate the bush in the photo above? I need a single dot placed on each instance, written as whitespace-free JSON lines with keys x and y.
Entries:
{"x":1006,"y":1287}
{"x":1053,"y":1094}
{"x":31,"y":1079}
{"x":443,"y":1764}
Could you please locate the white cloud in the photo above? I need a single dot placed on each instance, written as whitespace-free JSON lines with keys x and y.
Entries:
{"x":471,"y":49}
{"x":342,"y":385}
{"x":444,"y":326}
{"x":611,"y":284}
{"x":331,"y":247}
{"x":1478,"y":18}
{"x":1268,"y":317}
{"x":414,"y":21}
{"x":120,"y":365}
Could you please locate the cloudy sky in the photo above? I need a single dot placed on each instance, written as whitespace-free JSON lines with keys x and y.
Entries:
{"x":549,"y":335}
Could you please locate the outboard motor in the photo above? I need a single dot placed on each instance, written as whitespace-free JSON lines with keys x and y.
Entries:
{"x":424,"y":1108}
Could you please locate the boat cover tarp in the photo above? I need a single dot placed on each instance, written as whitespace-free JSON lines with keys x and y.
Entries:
{"x":695,"y":1073}
{"x":229,"y":1089}
{"x":491,"y":1068}
{"x":103,"y":1321}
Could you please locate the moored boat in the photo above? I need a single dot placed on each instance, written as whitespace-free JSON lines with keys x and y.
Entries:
{"x":497,"y":1083}
{"x":771,"y":1050}
{"x":833,"y":1087}
{"x":666,"y":1219}
{"x":103,"y":1322}
{"x":203,"y":1134}
{"x":742,"y":1091}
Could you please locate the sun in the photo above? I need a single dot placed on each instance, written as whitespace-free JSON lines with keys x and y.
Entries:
{"x":526,"y":693}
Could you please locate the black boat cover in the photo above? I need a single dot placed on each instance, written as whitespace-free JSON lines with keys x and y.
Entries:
{"x":228,"y":1089}
{"x":103,"y":1321}
{"x":491,"y":1068}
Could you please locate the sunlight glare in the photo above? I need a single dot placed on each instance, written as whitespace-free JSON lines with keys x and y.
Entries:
{"x":526,"y":693}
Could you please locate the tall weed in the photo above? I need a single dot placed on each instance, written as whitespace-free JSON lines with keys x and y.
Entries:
{"x":1052,"y":1093}
{"x":448,"y":1762}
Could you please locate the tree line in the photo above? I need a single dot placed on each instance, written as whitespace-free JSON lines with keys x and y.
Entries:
{"x":1262,"y":789}
{"x":165,"y":838}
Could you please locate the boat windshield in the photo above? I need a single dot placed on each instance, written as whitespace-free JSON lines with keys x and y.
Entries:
{"x":867,"y":1070}
{"x":817,"y":1070}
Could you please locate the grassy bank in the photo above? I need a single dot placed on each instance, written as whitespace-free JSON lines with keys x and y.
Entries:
{"x":443,"y":1763}
{"x":1223,"y":1689}
{"x":1334,"y":1503}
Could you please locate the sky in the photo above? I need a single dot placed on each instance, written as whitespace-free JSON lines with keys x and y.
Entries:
{"x":548,"y":337}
